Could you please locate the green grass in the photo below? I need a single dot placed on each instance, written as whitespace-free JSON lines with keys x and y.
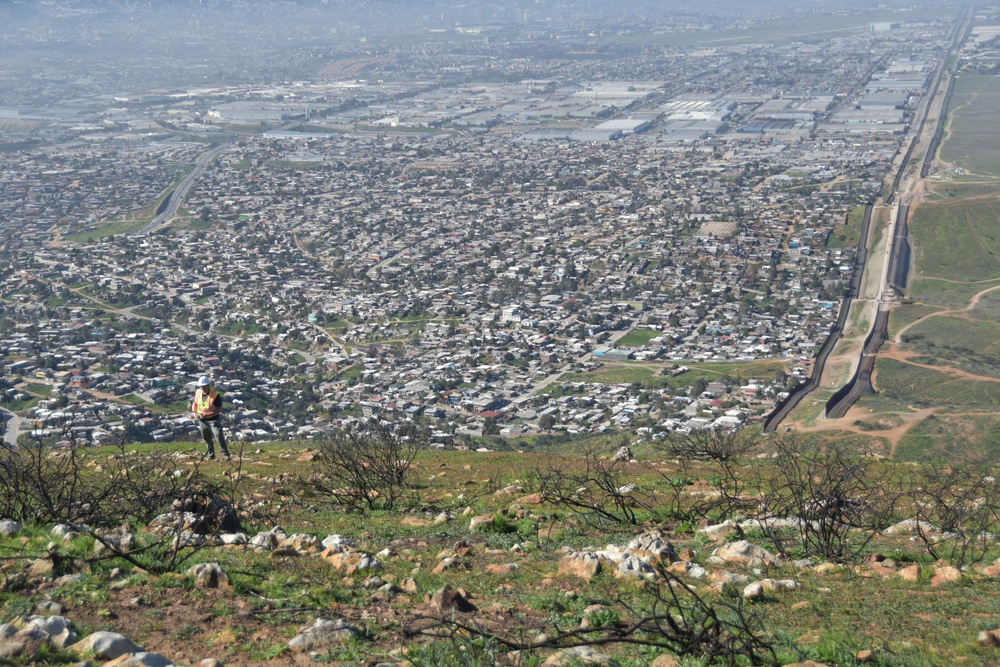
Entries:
{"x":650,"y":375}
{"x":974,"y":131}
{"x":906,"y":314}
{"x":950,"y":438}
{"x":988,"y":307}
{"x":624,"y":373}
{"x":39,"y":389}
{"x":190,"y":223}
{"x":908,"y":624}
{"x":971,"y":345}
{"x":637,"y":338}
{"x":114,"y":228}
{"x":924,"y":387}
{"x":848,"y":235}
{"x":20,"y":406}
{"x":959,"y":190}
{"x":958,"y":240}
{"x":944,"y":293}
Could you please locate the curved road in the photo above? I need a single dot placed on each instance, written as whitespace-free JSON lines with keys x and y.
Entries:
{"x":177,"y":196}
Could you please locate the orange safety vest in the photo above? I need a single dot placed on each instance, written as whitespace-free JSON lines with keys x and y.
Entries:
{"x":203,"y":402}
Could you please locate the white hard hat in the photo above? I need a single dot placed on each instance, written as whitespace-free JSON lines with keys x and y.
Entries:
{"x":204,"y":381}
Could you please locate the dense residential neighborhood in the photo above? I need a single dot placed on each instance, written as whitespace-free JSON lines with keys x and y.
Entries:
{"x":472,"y":246}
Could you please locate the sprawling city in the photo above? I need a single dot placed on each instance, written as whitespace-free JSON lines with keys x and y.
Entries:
{"x":470,"y":234}
{"x":520,"y":333}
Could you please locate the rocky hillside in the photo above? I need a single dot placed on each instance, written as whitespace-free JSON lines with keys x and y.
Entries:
{"x":158,"y":557}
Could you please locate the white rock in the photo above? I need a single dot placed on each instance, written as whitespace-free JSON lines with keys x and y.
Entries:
{"x":68,"y":579}
{"x":717,"y":530}
{"x":322,"y":632}
{"x":105,"y":645}
{"x":744,"y":552}
{"x":335,"y":541}
{"x":146,"y":660}
{"x":633,"y":566}
{"x":758,"y":588}
{"x":579,"y":655}
{"x":63,"y":531}
{"x":58,"y":628}
{"x":208,"y":575}
{"x":910,"y":526}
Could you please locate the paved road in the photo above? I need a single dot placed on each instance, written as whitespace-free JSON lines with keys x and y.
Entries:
{"x":13,"y":428}
{"x":177,"y":196}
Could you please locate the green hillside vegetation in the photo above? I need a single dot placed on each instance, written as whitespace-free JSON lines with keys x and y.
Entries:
{"x":973,"y":130}
{"x":866,"y":594}
{"x":955,"y":262}
{"x":847,"y":236}
{"x":957,"y":240}
{"x":944,"y":439}
{"x":971,"y":345}
{"x":925,"y":387}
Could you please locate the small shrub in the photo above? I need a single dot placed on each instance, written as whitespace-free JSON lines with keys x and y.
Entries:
{"x":366,"y":466}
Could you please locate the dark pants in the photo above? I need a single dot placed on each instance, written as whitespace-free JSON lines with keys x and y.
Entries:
{"x":211,"y":430}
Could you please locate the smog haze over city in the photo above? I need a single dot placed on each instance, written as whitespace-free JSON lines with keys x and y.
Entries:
{"x":491,"y":219}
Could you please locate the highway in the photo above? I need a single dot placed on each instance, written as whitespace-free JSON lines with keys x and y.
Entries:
{"x":175,"y":198}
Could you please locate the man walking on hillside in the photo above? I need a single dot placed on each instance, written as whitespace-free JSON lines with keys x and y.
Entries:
{"x":207,"y":409}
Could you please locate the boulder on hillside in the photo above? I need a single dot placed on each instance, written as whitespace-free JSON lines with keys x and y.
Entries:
{"x":117,"y":542}
{"x":633,"y":566}
{"x":579,"y":655}
{"x":583,"y":564}
{"x":350,"y":562}
{"x":718,"y":532}
{"x":268,"y":540}
{"x":339,"y":543}
{"x":989,"y":638}
{"x":652,"y":546}
{"x":105,"y":645}
{"x":910,"y":526}
{"x":322,"y":632}
{"x":209,"y":575}
{"x":141,"y":660}
{"x":58,"y":629}
{"x":744,"y":552}
{"x":758,"y":588}
{"x":301,"y":542}
{"x":447,"y":600}
{"x":216,"y":515}
{"x":623,"y":454}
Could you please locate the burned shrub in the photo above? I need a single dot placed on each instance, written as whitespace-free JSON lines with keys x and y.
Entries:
{"x":366,"y":466}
